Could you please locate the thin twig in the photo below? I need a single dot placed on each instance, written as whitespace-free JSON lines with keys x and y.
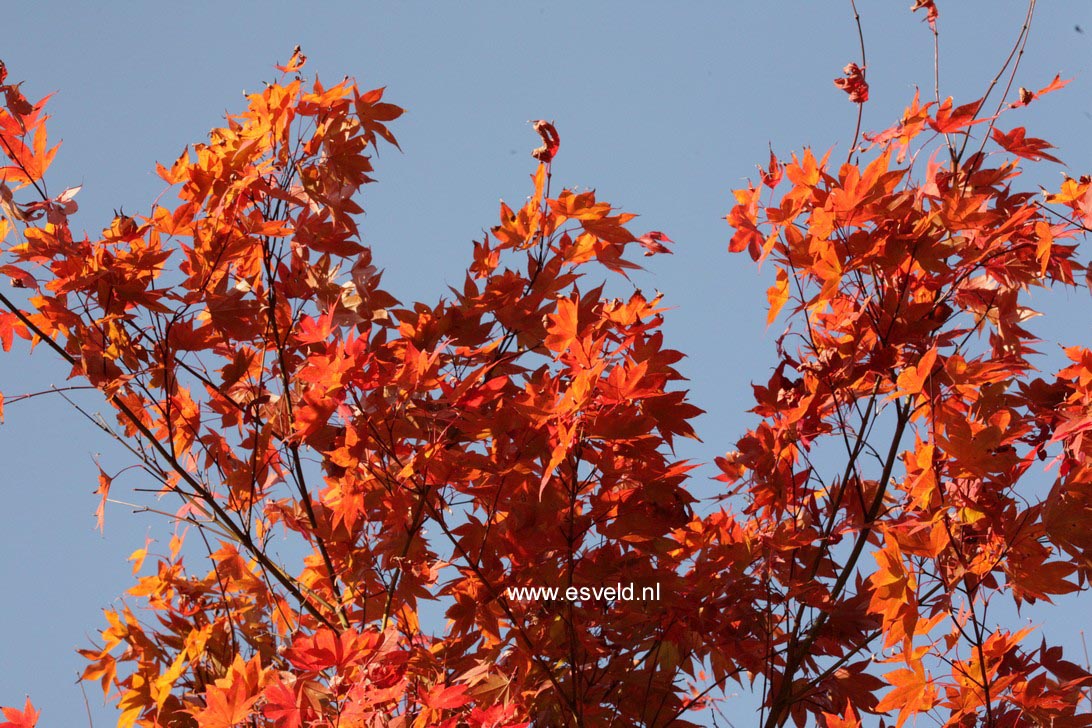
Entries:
{"x":86,"y":702}
{"x":1017,"y":52}
{"x":864,"y":77}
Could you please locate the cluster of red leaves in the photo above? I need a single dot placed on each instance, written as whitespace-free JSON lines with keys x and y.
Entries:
{"x":908,"y":290}
{"x":515,"y":434}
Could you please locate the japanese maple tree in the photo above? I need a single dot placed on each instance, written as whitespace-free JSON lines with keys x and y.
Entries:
{"x":519,"y":432}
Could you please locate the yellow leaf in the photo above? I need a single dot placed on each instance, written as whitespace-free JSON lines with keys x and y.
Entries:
{"x":777,"y":295}
{"x":1043,"y":245}
{"x":161,"y":690}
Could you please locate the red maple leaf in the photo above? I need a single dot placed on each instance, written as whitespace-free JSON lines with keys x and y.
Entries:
{"x":931,"y":13}
{"x":853,"y":83}
{"x":282,"y":705}
{"x":551,"y":142}
{"x":1022,"y":146}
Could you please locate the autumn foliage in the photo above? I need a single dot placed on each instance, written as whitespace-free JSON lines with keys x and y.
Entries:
{"x":520,"y":431}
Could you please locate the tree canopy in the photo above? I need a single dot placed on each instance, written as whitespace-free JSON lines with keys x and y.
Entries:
{"x":517,"y":433}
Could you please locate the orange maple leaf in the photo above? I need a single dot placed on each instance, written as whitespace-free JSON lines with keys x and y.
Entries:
{"x":25,"y":718}
{"x":295,"y":63}
{"x":912,"y":692}
{"x":949,"y":119}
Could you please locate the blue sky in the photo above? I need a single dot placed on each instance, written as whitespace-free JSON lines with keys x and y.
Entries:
{"x":662,"y":107}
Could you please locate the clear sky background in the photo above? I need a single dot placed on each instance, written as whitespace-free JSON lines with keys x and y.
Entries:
{"x":662,"y":107}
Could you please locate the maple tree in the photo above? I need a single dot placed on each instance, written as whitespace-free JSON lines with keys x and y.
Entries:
{"x":519,"y":433}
